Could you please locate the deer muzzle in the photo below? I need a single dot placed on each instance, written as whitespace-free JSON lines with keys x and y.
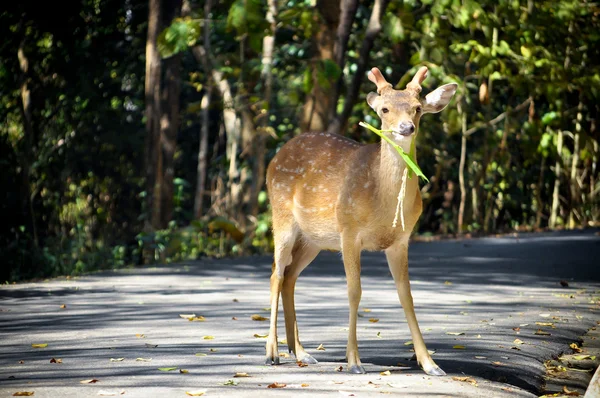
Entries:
{"x":404,"y":129}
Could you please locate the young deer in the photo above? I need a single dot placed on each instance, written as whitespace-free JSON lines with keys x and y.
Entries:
{"x":329,"y":192}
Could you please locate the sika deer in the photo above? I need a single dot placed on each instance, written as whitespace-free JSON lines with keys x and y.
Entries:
{"x":329,"y":192}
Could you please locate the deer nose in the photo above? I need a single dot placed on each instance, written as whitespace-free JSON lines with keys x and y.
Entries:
{"x":406,"y":128}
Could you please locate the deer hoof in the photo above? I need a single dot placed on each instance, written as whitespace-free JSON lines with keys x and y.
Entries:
{"x":309,"y":360}
{"x":357,"y":369}
{"x":435,"y":371}
{"x":272,"y":361}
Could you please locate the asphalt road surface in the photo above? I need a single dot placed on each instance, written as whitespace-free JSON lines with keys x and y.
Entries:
{"x":473,"y":298}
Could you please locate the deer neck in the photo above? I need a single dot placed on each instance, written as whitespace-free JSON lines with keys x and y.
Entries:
{"x":391,"y":169}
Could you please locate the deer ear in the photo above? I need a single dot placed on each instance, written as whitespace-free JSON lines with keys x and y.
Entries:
{"x":438,"y":99}
{"x":371,"y":99}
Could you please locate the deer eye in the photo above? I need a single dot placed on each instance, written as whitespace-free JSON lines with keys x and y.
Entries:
{"x":419,"y":109}
{"x":385,"y":110}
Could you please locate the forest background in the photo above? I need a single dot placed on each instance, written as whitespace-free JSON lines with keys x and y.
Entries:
{"x":135,"y":132}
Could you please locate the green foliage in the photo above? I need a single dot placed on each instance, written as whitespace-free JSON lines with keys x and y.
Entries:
{"x":75,"y":184}
{"x":179,"y":36}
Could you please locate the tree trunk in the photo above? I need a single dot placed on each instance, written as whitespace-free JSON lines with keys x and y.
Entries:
{"x":574,"y":162}
{"x":348,"y":13}
{"x":153,"y":154}
{"x":373,"y":29}
{"x":169,"y":124}
{"x":259,"y":144}
{"x":538,"y":194}
{"x":204,"y":130}
{"x":316,"y":109}
{"x":461,"y":169}
{"x":556,"y":192}
{"x":28,"y":130}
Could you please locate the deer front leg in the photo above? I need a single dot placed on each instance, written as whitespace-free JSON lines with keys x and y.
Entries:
{"x":351,"y":255}
{"x":397,"y":257}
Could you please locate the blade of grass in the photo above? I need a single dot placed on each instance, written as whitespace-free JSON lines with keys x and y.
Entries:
{"x":407,"y":158}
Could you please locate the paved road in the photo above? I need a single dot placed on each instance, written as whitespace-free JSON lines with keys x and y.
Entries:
{"x":483,"y":288}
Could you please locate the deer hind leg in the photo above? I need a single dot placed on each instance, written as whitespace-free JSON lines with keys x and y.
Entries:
{"x":303,"y":254}
{"x":351,"y":255}
{"x":284,"y":239}
{"x":397,"y":257}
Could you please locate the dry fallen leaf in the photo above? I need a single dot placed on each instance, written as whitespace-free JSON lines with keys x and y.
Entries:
{"x":301,"y":364}
{"x":480,"y":357}
{"x":571,"y":393}
{"x":233,"y":318}
{"x":540,"y":332}
{"x":583,"y":357}
{"x":143,"y":359}
{"x":90,"y":381}
{"x":459,"y":347}
{"x":545,"y":324}
{"x":518,"y":341}
{"x":497,"y":363}
{"x":56,"y":360}
{"x":105,"y":393}
{"x":208,"y":337}
{"x":341,"y":368}
{"x":187,"y":316}
{"x":466,"y":379}
{"x":201,"y":354}
{"x":63,"y":306}
{"x":276,"y":385}
{"x":44,"y":345}
{"x":455,"y":333}
{"x":140,"y":336}
{"x":23,"y":394}
{"x":320,"y":348}
{"x":386,"y":373}
{"x":184,"y":371}
{"x":241,"y":374}
{"x":366,"y":310}
{"x":575,"y":347}
{"x":257,"y":317}
{"x":517,"y":329}
{"x":236,"y":300}
{"x":199,"y":318}
{"x":195,"y":393}
{"x":117,"y":359}
{"x":261,"y":336}
{"x":447,"y":283}
{"x":373,"y":320}
{"x":284,"y":354}
{"x":304,"y":385}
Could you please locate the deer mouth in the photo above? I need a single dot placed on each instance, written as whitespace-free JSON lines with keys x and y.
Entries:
{"x":400,"y":135}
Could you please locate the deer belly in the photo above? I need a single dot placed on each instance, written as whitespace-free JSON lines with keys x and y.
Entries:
{"x":318,"y":225}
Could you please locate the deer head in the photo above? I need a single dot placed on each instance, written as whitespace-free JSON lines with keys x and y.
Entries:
{"x":401,"y":110}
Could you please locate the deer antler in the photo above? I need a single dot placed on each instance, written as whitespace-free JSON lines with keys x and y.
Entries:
{"x":376,"y":77}
{"x":415,"y":83}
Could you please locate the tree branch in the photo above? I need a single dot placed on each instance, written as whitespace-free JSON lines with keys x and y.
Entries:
{"x":498,"y":118}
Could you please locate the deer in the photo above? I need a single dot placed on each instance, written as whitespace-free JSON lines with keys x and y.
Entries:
{"x":328,"y":192}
